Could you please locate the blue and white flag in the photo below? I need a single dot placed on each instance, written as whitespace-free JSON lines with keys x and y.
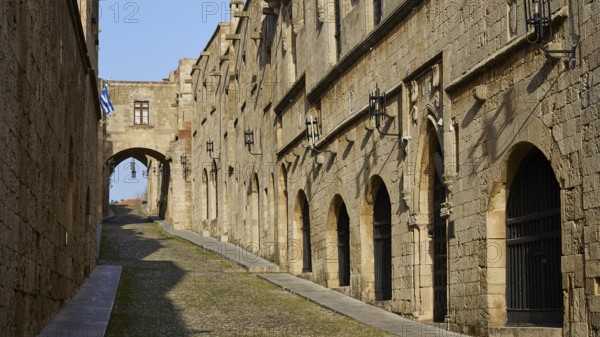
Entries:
{"x":107,"y":106}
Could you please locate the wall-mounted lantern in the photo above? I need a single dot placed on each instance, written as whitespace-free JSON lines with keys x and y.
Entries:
{"x":132,"y":167}
{"x":312,"y":131}
{"x":312,"y":136}
{"x":538,"y":17}
{"x":377,"y":109}
{"x":210,"y":148}
{"x":184,"y":165}
{"x":249,"y":141}
{"x":154,"y":170}
{"x":249,"y":138}
{"x":377,"y":106}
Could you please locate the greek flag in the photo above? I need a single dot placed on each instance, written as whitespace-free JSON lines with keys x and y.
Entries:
{"x":105,"y":102}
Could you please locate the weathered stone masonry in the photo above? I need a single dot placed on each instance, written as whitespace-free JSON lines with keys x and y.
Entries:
{"x":482,"y":174}
{"x":49,"y":189}
{"x":468,"y":102}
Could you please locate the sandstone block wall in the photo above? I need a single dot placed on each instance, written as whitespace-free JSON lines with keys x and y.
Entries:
{"x":466,"y":96}
{"x":49,"y":189}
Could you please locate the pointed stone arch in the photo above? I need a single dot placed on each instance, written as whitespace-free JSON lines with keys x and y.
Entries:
{"x":428,"y":225}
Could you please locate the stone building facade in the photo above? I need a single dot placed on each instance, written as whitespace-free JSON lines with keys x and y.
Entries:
{"x":49,"y":188}
{"x":151,"y":123}
{"x":472,"y":201}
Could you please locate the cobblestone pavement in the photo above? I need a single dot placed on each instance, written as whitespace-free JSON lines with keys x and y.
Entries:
{"x":170,"y":287}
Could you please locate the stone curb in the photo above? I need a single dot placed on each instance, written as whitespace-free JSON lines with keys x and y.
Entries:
{"x":355,"y":309}
{"x":88,"y":312}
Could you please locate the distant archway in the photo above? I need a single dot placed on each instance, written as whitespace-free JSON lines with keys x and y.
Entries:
{"x":161,"y":177}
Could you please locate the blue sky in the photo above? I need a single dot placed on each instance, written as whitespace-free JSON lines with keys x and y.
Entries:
{"x":124,"y":185}
{"x":142,"y":40}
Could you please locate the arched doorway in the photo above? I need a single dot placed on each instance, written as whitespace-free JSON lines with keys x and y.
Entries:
{"x":205,"y":195}
{"x":440,"y":245}
{"x":270,"y":221}
{"x":282,"y":217}
{"x":382,"y":244}
{"x":213,"y":192}
{"x":300,"y":255}
{"x":255,"y":214}
{"x":337,"y":245}
{"x":306,"y":244}
{"x":151,"y":165}
{"x":343,"y":243}
{"x":533,"y":244}
{"x":429,"y":227}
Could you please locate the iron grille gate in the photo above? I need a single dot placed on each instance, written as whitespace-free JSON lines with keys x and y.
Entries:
{"x":533,"y":240}
{"x":343,"y":228}
{"x":306,"y":256}
{"x":382,"y":236}
{"x":440,"y":254}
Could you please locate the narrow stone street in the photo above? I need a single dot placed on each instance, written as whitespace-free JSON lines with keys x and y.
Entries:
{"x":170,"y":287}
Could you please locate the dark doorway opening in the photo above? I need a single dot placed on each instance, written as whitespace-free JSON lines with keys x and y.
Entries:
{"x":306,"y":256}
{"x":440,"y":253}
{"x":533,"y":243}
{"x":382,"y":237}
{"x":343,"y":231}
